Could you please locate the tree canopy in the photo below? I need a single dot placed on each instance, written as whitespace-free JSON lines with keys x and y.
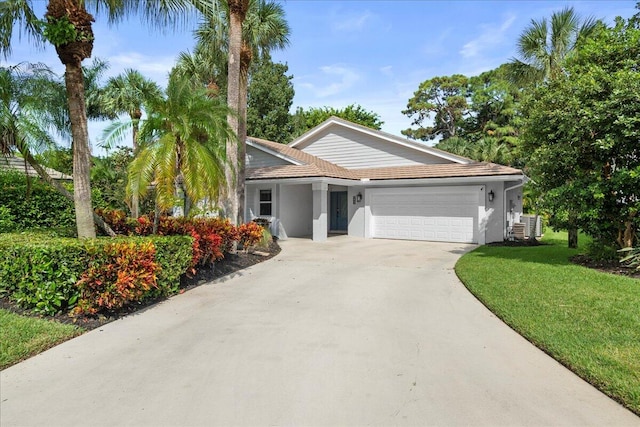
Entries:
{"x":270,"y":97}
{"x":583,"y":131}
{"x":304,"y":120}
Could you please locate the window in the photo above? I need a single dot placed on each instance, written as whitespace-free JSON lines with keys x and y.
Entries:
{"x":265,"y":202}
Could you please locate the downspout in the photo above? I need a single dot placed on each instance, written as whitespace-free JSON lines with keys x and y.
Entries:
{"x":525,"y":179}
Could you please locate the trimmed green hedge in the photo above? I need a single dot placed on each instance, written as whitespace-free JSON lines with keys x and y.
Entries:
{"x":42,"y":273}
{"x":33,"y":204}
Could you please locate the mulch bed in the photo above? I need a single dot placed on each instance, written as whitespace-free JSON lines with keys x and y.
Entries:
{"x":228,"y":265}
{"x":612,"y":267}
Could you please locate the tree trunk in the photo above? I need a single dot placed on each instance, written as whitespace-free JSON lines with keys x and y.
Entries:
{"x":245,"y":62}
{"x":71,"y":55}
{"x":573,"y":238}
{"x":81,"y":153}
{"x":237,"y":12}
{"x":135,"y":199}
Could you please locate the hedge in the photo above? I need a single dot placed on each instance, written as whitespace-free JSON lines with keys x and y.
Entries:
{"x":33,"y":204}
{"x":51,"y":274}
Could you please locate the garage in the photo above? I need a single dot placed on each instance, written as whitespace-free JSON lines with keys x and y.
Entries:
{"x":441,"y":214}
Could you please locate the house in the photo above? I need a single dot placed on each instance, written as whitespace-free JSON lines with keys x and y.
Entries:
{"x":341,"y":177}
{"x":20,"y":165}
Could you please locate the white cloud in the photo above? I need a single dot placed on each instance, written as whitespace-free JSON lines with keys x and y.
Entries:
{"x":490,"y":37}
{"x":354,"y":23}
{"x":387,"y":71}
{"x":156,"y":68}
{"x":339,"y":79}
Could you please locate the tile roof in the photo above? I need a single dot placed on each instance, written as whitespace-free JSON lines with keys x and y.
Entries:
{"x":18,"y":164}
{"x":316,"y":167}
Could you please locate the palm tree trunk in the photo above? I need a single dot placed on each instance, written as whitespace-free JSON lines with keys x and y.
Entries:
{"x":242,"y":142}
{"x":81,"y":153}
{"x":135,"y":199}
{"x":237,"y":12}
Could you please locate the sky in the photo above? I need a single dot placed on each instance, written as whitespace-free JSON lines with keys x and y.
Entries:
{"x":371,"y":53}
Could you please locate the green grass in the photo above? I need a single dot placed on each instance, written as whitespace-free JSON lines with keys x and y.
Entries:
{"x":22,"y":337}
{"x":587,"y":320}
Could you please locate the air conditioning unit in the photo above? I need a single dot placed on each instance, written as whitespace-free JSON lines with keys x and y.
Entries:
{"x":529,"y":221}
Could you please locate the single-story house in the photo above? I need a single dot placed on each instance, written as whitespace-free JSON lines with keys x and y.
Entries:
{"x":341,"y":177}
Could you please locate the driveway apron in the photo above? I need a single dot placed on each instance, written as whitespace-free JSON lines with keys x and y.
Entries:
{"x":345,"y":332}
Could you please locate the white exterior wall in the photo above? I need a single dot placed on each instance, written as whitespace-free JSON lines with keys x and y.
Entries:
{"x":355,"y":150}
{"x":494,"y":212}
{"x":296,"y":210}
{"x":259,"y":159}
{"x":356,"y":212}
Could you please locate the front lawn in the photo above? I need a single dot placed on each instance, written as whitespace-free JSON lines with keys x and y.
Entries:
{"x":22,"y":336}
{"x":587,"y":320}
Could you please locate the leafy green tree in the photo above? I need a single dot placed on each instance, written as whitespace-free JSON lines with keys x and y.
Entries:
{"x":182,"y":146}
{"x":69,"y":28}
{"x":109,"y":179}
{"x":304,"y":120}
{"x":544,"y":46}
{"x":270,"y":97}
{"x":583,"y":131}
{"x":440,"y":101}
{"x":58,"y":158}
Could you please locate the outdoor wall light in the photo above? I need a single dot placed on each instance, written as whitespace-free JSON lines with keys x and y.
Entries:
{"x":491,"y":195}
{"x":359,"y":197}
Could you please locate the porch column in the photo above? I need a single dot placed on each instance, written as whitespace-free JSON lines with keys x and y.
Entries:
{"x":320,"y":190}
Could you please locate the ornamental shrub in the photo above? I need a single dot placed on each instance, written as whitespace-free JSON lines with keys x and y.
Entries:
{"x":119,"y":274}
{"x":250,"y":234}
{"x":7,"y":220}
{"x":40,"y":271}
{"x":212,"y":237}
{"x":34,"y":203}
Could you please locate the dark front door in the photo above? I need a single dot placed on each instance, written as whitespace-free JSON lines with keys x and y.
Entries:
{"x":338,"y":207}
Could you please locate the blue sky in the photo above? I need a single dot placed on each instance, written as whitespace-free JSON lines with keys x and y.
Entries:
{"x":372,"y":53}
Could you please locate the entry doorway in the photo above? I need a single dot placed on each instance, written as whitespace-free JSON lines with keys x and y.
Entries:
{"x":338,"y":206}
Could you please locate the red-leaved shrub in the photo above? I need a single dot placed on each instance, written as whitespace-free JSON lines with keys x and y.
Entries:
{"x":122,"y":273}
{"x":250,"y":234}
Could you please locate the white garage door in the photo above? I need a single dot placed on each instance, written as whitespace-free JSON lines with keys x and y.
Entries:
{"x":444,"y":214}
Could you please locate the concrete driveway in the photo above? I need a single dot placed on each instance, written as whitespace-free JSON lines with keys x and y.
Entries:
{"x":347,"y":332}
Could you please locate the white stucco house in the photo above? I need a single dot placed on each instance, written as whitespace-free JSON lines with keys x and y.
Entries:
{"x":341,"y":177}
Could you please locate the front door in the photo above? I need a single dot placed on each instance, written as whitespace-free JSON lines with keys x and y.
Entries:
{"x":338,"y":207}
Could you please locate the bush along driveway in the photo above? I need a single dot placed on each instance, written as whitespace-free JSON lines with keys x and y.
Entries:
{"x":587,"y":320}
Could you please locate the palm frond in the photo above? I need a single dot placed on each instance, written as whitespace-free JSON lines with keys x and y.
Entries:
{"x":18,"y":14}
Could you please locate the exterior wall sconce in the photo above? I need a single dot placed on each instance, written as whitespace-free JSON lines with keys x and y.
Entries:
{"x":491,"y":195}
{"x":359,"y":197}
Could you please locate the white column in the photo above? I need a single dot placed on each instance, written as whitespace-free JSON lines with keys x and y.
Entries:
{"x":320,"y":190}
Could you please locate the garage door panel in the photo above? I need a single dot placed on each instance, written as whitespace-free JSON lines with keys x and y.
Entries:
{"x":438,"y":214}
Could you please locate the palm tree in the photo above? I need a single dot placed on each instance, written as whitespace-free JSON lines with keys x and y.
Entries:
{"x":264,"y":28}
{"x":543,"y":46}
{"x":69,"y":29}
{"x":27,"y":119}
{"x":126,"y":93}
{"x":182,"y":146}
